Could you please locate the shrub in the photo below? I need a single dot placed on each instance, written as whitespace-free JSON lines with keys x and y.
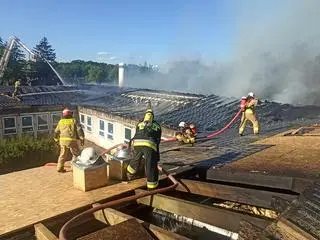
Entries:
{"x":17,"y":153}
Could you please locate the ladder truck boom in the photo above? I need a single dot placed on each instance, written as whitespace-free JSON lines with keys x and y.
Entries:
{"x":7,"y":51}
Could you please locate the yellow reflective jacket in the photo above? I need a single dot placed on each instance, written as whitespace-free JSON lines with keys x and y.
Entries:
{"x":250,"y":106}
{"x":17,"y":84}
{"x":67,"y":131}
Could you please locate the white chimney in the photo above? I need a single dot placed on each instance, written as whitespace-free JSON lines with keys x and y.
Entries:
{"x":121,"y":74}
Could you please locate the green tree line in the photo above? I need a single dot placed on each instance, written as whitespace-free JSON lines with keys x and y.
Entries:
{"x":37,"y":72}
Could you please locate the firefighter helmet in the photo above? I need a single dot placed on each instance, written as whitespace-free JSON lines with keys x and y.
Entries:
{"x":182,"y":124}
{"x":66,"y":112}
{"x":251,"y":94}
{"x":148,"y":116}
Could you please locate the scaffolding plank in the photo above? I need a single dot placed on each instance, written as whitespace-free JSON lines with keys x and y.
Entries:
{"x":129,"y":229}
{"x":248,"y":196}
{"x":215,"y":216}
{"x":43,"y":233}
{"x":258,"y":179}
{"x":112,"y":217}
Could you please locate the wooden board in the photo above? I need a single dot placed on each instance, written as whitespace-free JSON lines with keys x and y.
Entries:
{"x":127,"y":230}
{"x":258,"y":179}
{"x":211,"y":215}
{"x":34,"y":195}
{"x":295,"y":156}
{"x":258,"y":198}
{"x":112,"y":217}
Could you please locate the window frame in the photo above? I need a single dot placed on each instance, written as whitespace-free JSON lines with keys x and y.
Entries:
{"x":41,"y":125}
{"x":102,"y":132}
{"x":87,"y":125}
{"x":125,"y":139}
{"x":52,"y":118}
{"x":15,"y":126}
{"x":27,"y":127}
{"x":110,"y":135}
{"x":82,"y":123}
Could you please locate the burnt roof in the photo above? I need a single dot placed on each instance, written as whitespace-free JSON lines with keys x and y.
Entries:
{"x":210,"y":113}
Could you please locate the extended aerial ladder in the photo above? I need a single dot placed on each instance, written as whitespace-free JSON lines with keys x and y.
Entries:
{"x":8,"y":49}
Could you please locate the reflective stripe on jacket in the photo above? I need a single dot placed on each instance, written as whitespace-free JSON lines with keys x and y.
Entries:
{"x":68,"y":130}
{"x":145,"y":143}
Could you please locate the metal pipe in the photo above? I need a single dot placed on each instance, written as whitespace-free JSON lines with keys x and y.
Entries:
{"x":68,"y":225}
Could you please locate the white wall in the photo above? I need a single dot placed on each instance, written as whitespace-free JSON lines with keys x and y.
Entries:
{"x":94,"y":135}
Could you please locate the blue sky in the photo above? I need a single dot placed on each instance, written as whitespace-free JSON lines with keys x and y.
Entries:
{"x":131,"y":31}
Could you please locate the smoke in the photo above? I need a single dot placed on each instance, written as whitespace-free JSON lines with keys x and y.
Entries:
{"x":276,"y":56}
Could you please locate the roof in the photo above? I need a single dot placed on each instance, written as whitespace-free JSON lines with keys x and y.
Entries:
{"x":210,"y":112}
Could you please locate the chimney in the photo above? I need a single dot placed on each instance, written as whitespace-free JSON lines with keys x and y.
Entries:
{"x":121,"y":74}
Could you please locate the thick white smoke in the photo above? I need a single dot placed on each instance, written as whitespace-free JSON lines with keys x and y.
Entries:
{"x":276,"y":56}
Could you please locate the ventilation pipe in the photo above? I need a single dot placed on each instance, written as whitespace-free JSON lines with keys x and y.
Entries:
{"x":121,"y":74}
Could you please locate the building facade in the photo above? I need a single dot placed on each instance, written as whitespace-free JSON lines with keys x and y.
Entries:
{"x":107,"y":130}
{"x":34,"y":121}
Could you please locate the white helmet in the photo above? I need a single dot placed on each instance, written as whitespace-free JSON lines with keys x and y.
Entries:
{"x":88,"y":156}
{"x":182,"y":124}
{"x":251,"y":94}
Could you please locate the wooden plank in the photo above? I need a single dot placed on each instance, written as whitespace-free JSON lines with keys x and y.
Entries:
{"x":39,"y":194}
{"x":112,"y":217}
{"x":129,"y":229}
{"x":215,"y":216}
{"x":258,"y":179}
{"x":248,"y":196}
{"x":290,"y":231}
{"x":43,"y":233}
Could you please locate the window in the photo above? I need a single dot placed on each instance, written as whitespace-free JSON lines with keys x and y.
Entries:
{"x":82,"y":120}
{"x":89,"y":124}
{"x":43,"y":122}
{"x":55,"y":119}
{"x":9,"y":125}
{"x":127,"y":135}
{"x":26,"y":124}
{"x":110,"y":131}
{"x":101,"y":128}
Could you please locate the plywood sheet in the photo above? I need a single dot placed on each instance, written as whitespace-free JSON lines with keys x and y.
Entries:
{"x":33,"y":195}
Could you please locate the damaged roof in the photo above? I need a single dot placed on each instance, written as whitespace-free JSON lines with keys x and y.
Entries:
{"x":210,"y":113}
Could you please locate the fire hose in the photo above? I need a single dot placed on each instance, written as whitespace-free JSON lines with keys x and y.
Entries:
{"x":213,"y":134}
{"x":69,"y":224}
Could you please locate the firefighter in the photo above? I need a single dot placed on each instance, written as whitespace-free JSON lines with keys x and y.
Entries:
{"x":17,"y":88}
{"x":145,"y":144}
{"x":248,"y":105}
{"x":67,"y":132}
{"x":187,"y":133}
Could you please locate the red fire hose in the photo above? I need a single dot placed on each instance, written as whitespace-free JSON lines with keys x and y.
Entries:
{"x":68,"y":225}
{"x":224,"y":128}
{"x":213,"y":134}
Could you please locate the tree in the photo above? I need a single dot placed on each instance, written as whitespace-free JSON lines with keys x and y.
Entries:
{"x":45,"y":50}
{"x":14,"y":69}
{"x":44,"y":74}
{"x":1,"y":47}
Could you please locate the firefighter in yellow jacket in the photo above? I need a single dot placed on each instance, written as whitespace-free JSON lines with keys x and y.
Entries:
{"x":248,"y":105}
{"x":67,"y":132}
{"x":146,"y":147}
{"x":17,"y":88}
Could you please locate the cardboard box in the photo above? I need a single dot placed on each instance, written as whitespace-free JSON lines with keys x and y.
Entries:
{"x":87,"y":178}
